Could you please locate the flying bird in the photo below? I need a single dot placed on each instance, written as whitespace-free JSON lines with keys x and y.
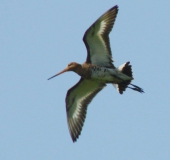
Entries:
{"x":97,"y":71}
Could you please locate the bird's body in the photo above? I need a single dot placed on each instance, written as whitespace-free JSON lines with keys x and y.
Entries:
{"x":97,"y":71}
{"x":100,"y":74}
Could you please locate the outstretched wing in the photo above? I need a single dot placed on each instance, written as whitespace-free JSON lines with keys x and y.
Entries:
{"x":96,"y":39}
{"x":77,"y":99}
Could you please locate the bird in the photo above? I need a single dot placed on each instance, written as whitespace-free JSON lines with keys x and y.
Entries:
{"x":95,"y":73}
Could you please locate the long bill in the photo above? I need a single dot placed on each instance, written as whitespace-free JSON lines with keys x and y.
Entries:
{"x":65,"y":70}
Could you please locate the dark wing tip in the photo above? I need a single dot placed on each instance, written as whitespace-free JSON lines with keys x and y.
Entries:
{"x":116,"y":8}
{"x":109,"y":15}
{"x":75,"y":125}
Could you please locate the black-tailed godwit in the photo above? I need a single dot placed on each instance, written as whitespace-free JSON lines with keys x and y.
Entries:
{"x":95,"y":73}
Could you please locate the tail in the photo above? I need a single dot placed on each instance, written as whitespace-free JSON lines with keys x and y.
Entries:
{"x":126,"y":68}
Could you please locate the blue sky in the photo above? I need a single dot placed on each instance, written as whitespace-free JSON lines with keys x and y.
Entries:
{"x":39,"y":38}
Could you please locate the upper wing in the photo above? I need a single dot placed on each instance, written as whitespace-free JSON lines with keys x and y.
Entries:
{"x":96,"y":39}
{"x":77,"y":99}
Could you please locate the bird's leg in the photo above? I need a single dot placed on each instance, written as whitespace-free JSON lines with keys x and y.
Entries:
{"x":136,"y":88}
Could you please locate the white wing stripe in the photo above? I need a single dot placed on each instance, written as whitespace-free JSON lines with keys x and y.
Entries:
{"x":102,"y":27}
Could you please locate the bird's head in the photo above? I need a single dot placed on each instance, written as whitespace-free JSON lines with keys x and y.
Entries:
{"x":73,"y":66}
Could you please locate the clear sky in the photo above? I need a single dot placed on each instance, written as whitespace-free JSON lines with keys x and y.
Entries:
{"x":39,"y":38}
